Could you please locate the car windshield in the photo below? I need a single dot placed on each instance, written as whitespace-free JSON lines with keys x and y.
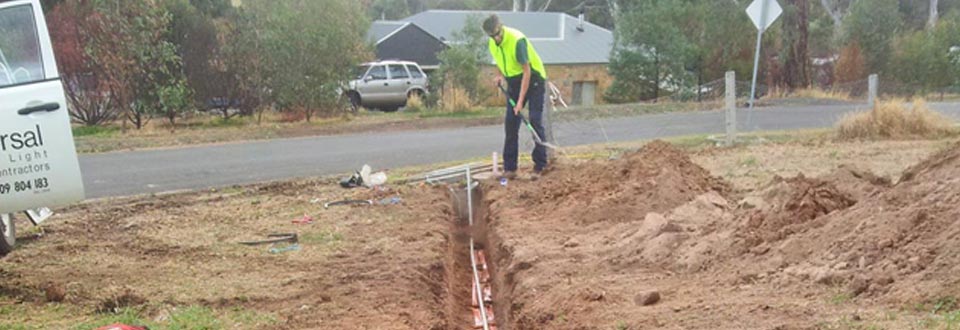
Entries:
{"x":359,"y":71}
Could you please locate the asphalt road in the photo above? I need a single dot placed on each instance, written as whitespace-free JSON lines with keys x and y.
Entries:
{"x":138,"y":172}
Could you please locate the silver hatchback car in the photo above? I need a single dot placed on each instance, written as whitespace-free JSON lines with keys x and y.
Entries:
{"x":386,"y":85}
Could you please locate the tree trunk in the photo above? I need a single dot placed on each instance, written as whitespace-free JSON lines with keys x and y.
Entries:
{"x":656,"y":77}
{"x":795,"y":66}
{"x":614,"y":9}
{"x":932,"y":22}
{"x":836,"y":14}
{"x":516,"y":5}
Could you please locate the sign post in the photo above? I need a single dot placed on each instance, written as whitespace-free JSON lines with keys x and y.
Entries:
{"x":762,"y":13}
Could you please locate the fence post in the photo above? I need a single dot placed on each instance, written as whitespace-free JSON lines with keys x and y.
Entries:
{"x":872,"y":85}
{"x":547,"y":120}
{"x":731,"y":107}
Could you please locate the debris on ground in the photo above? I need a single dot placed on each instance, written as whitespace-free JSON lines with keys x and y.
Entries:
{"x":274,"y":238}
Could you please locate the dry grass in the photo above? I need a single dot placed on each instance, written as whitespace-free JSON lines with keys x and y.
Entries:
{"x":813,"y":93}
{"x":414,"y":103}
{"x":894,"y":120}
{"x":457,"y":101}
{"x":817,"y":93}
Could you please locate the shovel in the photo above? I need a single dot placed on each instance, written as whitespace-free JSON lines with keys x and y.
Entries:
{"x":536,"y":137}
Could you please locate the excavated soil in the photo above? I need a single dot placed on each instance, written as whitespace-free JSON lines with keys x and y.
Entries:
{"x":650,"y":240}
{"x":788,"y":255}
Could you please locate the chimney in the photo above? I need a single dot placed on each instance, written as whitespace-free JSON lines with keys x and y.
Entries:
{"x":580,"y":22}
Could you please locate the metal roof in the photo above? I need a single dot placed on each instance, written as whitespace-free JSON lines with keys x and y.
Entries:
{"x":382,"y":29}
{"x":554,"y":35}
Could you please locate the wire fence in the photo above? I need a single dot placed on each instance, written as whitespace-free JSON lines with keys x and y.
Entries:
{"x":591,"y":123}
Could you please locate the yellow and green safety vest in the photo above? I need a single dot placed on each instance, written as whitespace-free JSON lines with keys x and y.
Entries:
{"x":505,"y":54}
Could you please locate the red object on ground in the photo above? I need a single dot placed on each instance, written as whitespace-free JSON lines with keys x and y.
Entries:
{"x":304,"y":221}
{"x":118,"y":326}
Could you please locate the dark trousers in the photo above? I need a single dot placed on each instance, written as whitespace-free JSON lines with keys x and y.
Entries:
{"x":512,"y":123}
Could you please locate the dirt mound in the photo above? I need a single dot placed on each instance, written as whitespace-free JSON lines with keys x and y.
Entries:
{"x":856,"y":182}
{"x":944,"y":161}
{"x":656,"y":178}
{"x":787,"y":204}
{"x":904,"y":241}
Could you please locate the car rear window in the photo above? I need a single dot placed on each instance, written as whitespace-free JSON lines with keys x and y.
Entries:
{"x":415,"y":71}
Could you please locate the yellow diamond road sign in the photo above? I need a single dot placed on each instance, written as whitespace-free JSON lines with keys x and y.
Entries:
{"x":756,"y":11}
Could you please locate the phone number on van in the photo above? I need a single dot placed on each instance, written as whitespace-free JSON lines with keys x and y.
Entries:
{"x":21,"y":186}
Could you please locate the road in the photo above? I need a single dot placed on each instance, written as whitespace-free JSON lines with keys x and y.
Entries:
{"x":151,"y":171}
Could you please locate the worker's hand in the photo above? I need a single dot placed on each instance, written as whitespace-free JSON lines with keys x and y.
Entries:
{"x":518,"y":108}
{"x":498,"y":81}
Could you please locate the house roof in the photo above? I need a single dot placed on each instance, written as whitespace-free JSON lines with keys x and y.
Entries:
{"x":382,"y":29}
{"x":406,"y":41}
{"x":554,"y":35}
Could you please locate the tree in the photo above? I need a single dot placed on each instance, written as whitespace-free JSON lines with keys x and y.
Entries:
{"x":195,"y":37}
{"x":795,"y":33}
{"x":213,"y":8}
{"x":86,"y":91}
{"x":923,"y":60}
{"x":460,"y":64}
{"x":652,"y":36}
{"x":129,"y":43}
{"x":837,"y":10}
{"x":932,"y":21}
{"x":240,"y":73}
{"x":174,"y":101}
{"x":676,"y":45}
{"x":850,"y":66}
{"x":864,"y":27}
{"x":310,"y":48}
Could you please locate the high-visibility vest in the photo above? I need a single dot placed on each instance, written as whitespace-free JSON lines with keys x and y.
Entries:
{"x":505,"y":54}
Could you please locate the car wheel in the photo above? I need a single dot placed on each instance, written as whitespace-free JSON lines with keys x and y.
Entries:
{"x":415,"y":93}
{"x":354,"y":102}
{"x":9,"y":234}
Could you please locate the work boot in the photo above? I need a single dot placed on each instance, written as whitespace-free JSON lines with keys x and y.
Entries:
{"x":510,"y":175}
{"x":537,"y":174}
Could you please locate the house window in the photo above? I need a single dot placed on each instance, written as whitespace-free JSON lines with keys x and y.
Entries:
{"x":584,"y":92}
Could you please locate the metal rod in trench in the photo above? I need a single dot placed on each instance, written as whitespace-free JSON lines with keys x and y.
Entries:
{"x":479,"y":289}
{"x":473,"y":257}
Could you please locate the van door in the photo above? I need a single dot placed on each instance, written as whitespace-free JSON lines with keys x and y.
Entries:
{"x":38,"y":161}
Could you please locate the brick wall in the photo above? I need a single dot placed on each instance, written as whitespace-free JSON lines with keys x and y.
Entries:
{"x":563,"y":76}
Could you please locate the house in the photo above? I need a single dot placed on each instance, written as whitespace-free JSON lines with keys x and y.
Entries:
{"x":406,"y":41}
{"x":575,"y":52}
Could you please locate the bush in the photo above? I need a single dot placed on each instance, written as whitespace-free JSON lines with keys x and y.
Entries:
{"x":892,"y":120}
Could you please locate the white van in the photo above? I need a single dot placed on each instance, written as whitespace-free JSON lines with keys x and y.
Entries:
{"x":38,"y":160}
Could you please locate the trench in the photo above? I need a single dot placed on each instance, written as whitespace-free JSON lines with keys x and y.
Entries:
{"x":464,"y":310}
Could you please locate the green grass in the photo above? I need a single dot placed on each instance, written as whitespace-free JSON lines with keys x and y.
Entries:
{"x":621,"y":325}
{"x":125,"y":316}
{"x":321,"y":238}
{"x":26,"y":316}
{"x":219,"y":122}
{"x":185,"y":318}
{"x":473,"y":114}
{"x":95,"y":131}
{"x":840,"y":298}
{"x":750,"y":161}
